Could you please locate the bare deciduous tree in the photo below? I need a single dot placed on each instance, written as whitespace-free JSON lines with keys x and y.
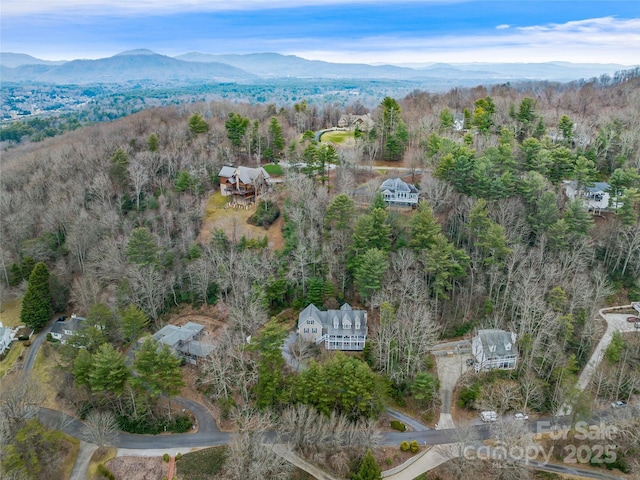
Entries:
{"x":101,"y":428}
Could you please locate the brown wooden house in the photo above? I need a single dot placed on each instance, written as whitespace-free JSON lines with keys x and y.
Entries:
{"x":243,"y":184}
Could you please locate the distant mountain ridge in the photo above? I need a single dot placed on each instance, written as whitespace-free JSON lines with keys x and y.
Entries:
{"x":127,"y":67}
{"x":10,"y":59}
{"x":146,"y":65}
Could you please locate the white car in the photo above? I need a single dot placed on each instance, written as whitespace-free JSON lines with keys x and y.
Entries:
{"x":489,"y":416}
{"x":619,"y":404}
{"x":521,"y":416}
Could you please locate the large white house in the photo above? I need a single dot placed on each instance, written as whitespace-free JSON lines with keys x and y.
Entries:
{"x":7,"y":335}
{"x":494,"y":348}
{"x":344,"y":329}
{"x":397,"y":192}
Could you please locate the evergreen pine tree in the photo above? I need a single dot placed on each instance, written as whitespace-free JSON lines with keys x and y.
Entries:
{"x":369,"y":469}
{"x":36,"y":304}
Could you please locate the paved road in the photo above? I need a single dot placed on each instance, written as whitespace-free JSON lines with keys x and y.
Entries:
{"x":36,"y":342}
{"x":81,"y":468}
{"x":413,"y":423}
{"x":616,"y":322}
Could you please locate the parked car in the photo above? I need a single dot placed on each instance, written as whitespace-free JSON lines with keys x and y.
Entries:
{"x":633,"y":319}
{"x":619,"y":404}
{"x":521,"y":416}
{"x":489,"y":416}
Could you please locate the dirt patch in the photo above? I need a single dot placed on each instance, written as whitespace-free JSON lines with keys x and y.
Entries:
{"x":233,"y":222}
{"x":391,"y":457}
{"x":138,"y":468}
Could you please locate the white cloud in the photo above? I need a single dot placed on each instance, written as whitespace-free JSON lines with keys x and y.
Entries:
{"x":504,"y":26}
{"x":598,"y":40}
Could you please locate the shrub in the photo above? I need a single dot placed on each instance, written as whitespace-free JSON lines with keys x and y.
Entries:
{"x":468,"y":395}
{"x":105,"y":472}
{"x":404,"y":446}
{"x":27,"y":343}
{"x":178,"y":456}
{"x":398,"y":425}
{"x":266,"y":213}
{"x":166,"y":457}
{"x":414,"y":447}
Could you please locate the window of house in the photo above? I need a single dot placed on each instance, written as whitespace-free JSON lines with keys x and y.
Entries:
{"x":306,"y":330}
{"x":309,"y":321}
{"x":357,"y":324}
{"x":314,"y":330}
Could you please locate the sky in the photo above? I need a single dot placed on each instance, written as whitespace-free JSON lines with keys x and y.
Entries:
{"x":343,"y":31}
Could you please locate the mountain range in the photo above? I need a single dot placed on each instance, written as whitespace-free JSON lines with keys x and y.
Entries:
{"x":148,"y":66}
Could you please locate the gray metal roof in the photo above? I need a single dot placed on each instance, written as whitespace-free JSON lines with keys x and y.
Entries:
{"x":397,"y":185}
{"x":172,"y":335}
{"x":598,"y":187}
{"x":497,"y":342}
{"x":245,"y":174}
{"x":337,"y":322}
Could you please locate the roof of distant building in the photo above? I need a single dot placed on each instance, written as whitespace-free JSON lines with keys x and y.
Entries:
{"x":498,"y":342}
{"x":397,"y":185}
{"x":330,"y":318}
{"x":244,"y":174}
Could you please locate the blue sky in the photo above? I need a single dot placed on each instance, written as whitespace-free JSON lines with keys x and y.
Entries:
{"x":360,"y":31}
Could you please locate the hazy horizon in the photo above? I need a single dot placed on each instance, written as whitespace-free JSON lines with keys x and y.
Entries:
{"x":355,"y":31}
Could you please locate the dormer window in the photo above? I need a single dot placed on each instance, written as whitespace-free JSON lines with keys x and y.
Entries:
{"x":492,"y":348}
{"x":336,"y":322}
{"x":507,"y":346}
{"x":357,"y":323}
{"x":346,"y":323}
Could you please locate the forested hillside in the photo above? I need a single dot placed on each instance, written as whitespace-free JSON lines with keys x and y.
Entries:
{"x":115,"y":210}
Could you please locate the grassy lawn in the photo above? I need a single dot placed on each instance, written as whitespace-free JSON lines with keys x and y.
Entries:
{"x":101,"y":455}
{"x":201,"y":465}
{"x":10,"y":312}
{"x":45,"y":373}
{"x":336,"y":136}
{"x":9,"y":361}
{"x":233,"y":222}
{"x":215,"y":202}
{"x":273,"y":169}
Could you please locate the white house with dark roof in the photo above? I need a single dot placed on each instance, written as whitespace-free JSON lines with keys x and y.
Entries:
{"x":184,"y":341}
{"x":344,"y":329}
{"x":494,"y":348}
{"x":63,"y":330}
{"x":595,"y":197}
{"x":397,"y":192}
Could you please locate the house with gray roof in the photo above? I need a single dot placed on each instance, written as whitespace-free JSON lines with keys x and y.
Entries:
{"x":494,"y":348}
{"x":397,"y":192}
{"x":344,"y":329}
{"x":184,"y":341}
{"x":64,"y":330}
{"x":243,"y":184}
{"x":596,"y":196}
